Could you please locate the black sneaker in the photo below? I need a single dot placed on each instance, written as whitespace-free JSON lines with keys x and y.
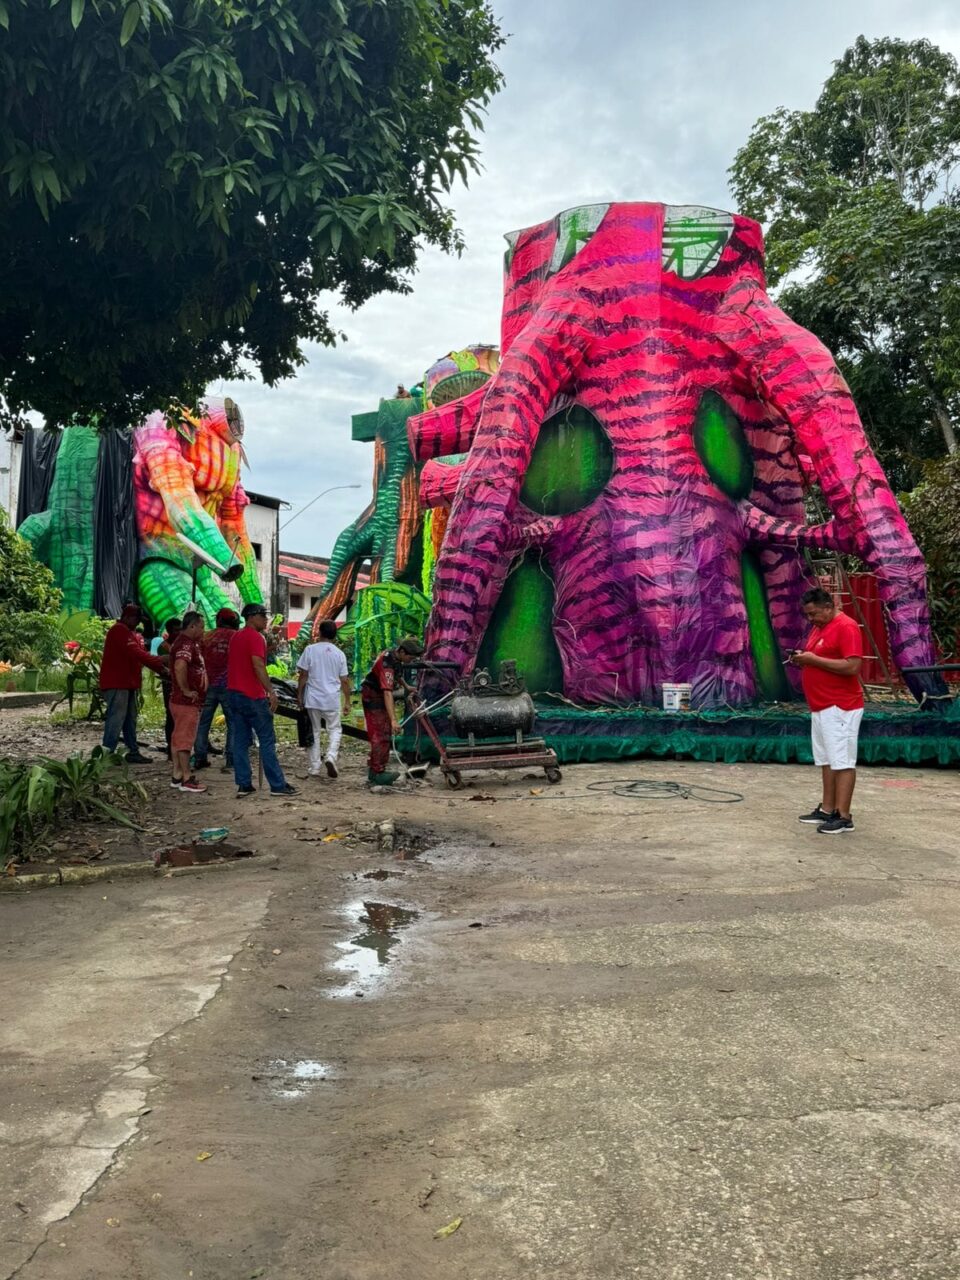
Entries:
{"x":134,"y":757}
{"x":245,"y":791}
{"x":836,"y":826}
{"x":818,"y":816}
{"x":285,"y":790}
{"x":201,"y":762}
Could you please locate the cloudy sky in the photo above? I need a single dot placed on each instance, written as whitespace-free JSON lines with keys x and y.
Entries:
{"x":604,"y":100}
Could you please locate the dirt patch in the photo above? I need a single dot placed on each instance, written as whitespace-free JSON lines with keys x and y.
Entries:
{"x":200,"y":853}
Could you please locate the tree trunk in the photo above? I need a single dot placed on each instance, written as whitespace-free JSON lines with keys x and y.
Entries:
{"x":945,"y":425}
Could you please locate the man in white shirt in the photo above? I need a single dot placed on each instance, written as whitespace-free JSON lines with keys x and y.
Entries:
{"x":324,"y":683}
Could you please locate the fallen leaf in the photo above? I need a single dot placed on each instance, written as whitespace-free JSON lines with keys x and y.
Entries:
{"x":335,"y":835}
{"x":204,"y":1155}
{"x":536,"y":791}
{"x":113,"y":1222}
{"x":277,"y":951}
{"x":482,"y":795}
{"x":448,"y":1230}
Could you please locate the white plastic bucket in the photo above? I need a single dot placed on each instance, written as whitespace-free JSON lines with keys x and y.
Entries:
{"x":676,"y":697}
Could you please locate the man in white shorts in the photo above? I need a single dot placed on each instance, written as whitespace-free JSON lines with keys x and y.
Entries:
{"x":324,"y":682}
{"x":831,"y":662}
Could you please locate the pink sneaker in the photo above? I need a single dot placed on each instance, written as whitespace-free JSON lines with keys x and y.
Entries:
{"x":192,"y":786}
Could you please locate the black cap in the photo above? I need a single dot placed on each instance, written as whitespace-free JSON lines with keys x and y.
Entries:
{"x":412,"y":646}
{"x":252,"y":610}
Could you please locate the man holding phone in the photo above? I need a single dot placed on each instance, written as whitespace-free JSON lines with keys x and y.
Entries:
{"x":830,"y":662}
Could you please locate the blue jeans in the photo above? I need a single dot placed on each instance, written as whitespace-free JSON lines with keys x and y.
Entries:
{"x":216,"y":697}
{"x":121,"y":719}
{"x":253,"y":716}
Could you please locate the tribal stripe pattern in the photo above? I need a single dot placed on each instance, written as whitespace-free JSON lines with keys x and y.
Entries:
{"x":654,"y":320}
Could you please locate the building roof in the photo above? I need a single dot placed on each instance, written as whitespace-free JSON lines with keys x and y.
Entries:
{"x":264,"y":500}
{"x":309,"y":571}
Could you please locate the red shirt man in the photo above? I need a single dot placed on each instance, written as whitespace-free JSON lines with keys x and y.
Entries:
{"x":830,"y":662}
{"x":242,"y":676}
{"x":838,"y":638}
{"x":121,"y":675}
{"x":125,"y":655}
{"x":252,"y":704}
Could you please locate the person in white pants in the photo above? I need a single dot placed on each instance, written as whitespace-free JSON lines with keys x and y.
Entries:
{"x":324,"y":683}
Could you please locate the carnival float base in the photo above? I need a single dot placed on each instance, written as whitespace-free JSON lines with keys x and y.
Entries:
{"x":779,"y":733}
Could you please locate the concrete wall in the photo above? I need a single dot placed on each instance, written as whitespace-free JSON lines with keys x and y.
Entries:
{"x":263,"y":531}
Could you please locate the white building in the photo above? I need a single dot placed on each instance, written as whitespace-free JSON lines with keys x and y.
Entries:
{"x":263,"y":529}
{"x":10,"y":452}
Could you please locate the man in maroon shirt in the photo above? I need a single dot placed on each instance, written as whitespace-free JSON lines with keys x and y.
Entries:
{"x":830,"y":661}
{"x":216,"y":648}
{"x":382,"y":682}
{"x":121,"y":677}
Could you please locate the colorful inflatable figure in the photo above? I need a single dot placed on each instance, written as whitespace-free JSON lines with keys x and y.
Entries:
{"x":189,"y":506}
{"x":158,"y":511}
{"x":630,"y":508}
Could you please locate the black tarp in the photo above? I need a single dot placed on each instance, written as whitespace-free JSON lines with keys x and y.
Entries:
{"x":115,"y":526}
{"x":38,"y":461}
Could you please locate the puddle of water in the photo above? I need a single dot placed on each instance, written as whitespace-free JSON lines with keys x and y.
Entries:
{"x":297,"y":1078}
{"x":366,"y":956}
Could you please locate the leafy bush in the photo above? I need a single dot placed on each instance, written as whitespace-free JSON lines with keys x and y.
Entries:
{"x":33,"y":639}
{"x":933,"y":513}
{"x":89,"y":633}
{"x":35,"y":798}
{"x":26,"y":585}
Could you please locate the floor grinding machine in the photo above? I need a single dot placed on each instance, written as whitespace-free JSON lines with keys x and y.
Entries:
{"x":491,"y":720}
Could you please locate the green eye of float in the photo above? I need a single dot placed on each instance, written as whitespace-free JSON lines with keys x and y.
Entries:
{"x":571,"y":464}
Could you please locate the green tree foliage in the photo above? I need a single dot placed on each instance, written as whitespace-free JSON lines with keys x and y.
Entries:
{"x":182,"y":180}
{"x":29,"y":629}
{"x":863,"y":232}
{"x":933,"y":513}
{"x":26,"y":586}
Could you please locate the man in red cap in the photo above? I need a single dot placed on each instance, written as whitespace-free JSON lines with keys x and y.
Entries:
{"x":216,"y":647}
{"x":121,"y":677}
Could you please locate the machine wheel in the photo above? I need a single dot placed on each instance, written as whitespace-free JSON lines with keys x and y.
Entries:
{"x":453,"y":779}
{"x":553,"y":774}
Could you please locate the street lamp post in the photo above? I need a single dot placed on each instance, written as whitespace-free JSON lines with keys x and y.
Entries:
{"x":332,"y":489}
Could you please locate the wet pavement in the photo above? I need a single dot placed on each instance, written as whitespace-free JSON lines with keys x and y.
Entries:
{"x":614,"y":1036}
{"x":365,"y":957}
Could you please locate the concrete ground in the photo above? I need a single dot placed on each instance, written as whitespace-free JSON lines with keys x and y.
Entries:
{"x":614,"y":1036}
